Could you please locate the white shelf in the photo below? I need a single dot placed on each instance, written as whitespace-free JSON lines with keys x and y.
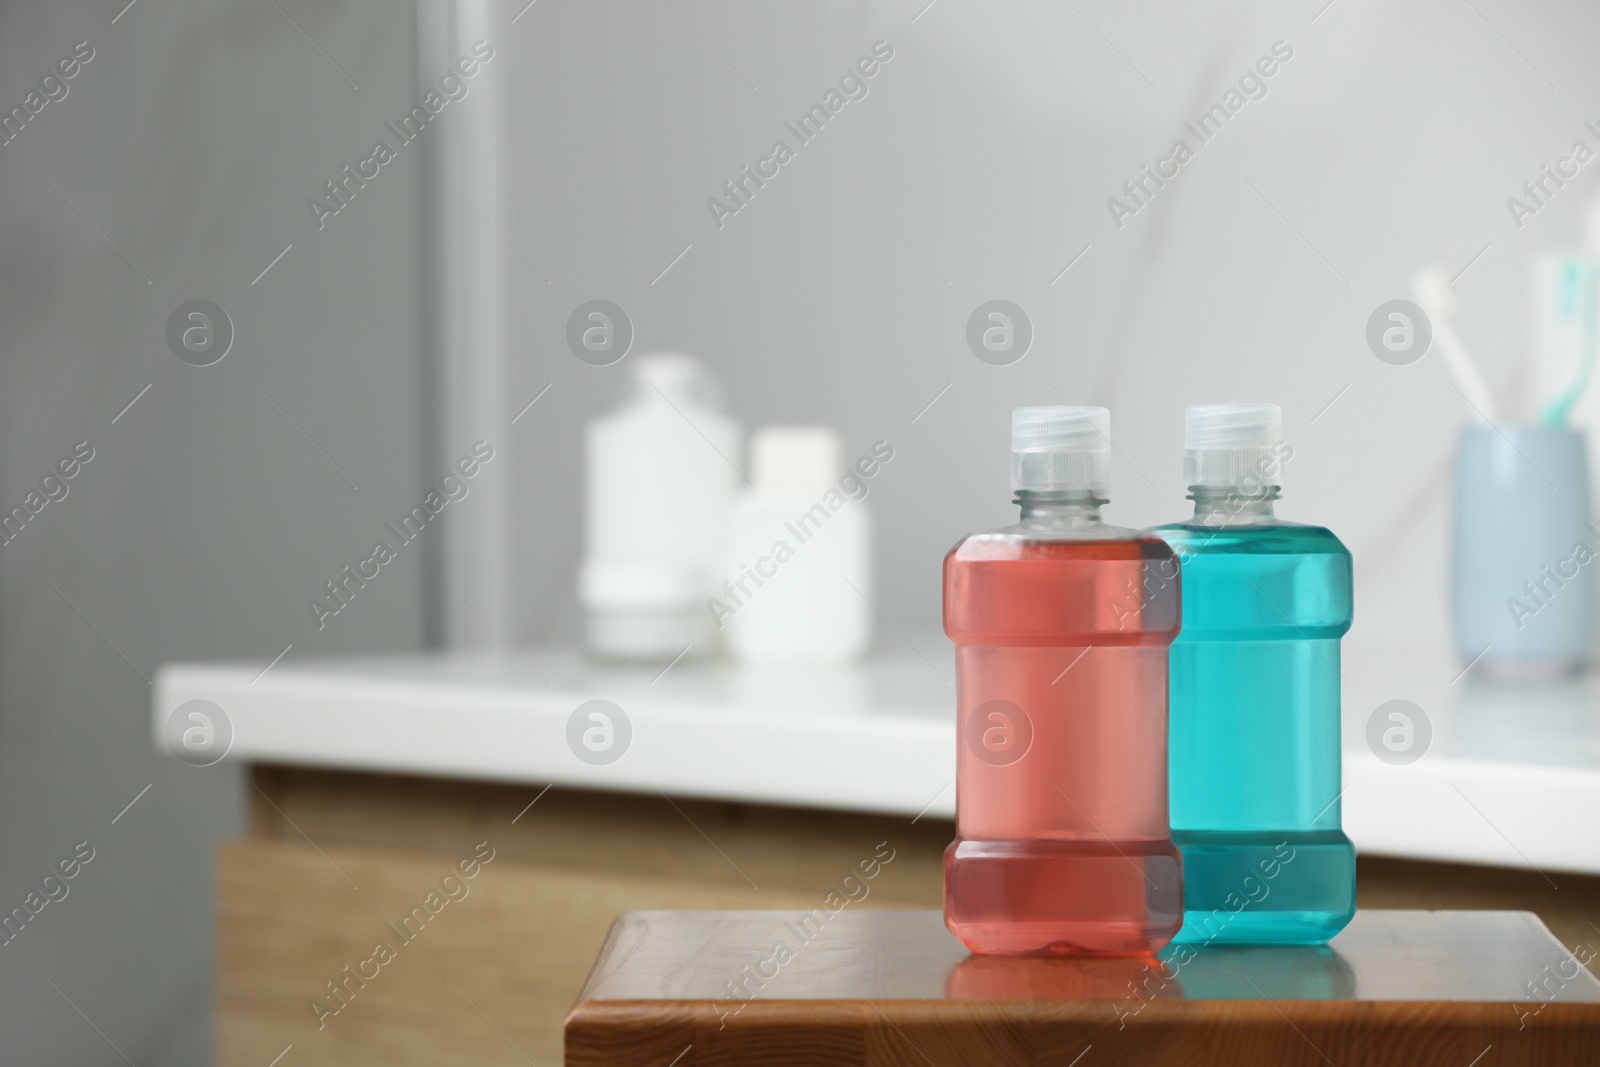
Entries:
{"x":1512,"y":776}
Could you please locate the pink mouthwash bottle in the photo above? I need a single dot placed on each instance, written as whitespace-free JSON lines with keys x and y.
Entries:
{"x":1062,"y":625}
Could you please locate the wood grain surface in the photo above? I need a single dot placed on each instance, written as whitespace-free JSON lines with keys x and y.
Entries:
{"x":922,"y":1033}
{"x":859,"y":988}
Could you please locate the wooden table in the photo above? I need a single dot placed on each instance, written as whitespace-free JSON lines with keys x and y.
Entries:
{"x":892,"y":988}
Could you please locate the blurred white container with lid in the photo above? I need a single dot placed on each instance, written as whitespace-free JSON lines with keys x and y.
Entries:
{"x":799,"y":555}
{"x":659,"y":480}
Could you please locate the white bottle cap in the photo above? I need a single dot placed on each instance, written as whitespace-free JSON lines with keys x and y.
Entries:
{"x":681,"y":380}
{"x":1233,"y":445}
{"x":1061,"y":449}
{"x":795,"y":459}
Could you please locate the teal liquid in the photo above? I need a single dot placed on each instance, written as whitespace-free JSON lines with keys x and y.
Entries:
{"x":1254,"y":734}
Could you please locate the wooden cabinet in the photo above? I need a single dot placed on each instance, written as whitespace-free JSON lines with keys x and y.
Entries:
{"x":335,"y":861}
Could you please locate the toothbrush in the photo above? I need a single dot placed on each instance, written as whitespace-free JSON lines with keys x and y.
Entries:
{"x":1433,"y":292}
{"x":1556,"y":412}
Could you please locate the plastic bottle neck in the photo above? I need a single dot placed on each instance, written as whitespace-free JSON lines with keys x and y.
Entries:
{"x":1065,"y":507}
{"x":1230,"y":505}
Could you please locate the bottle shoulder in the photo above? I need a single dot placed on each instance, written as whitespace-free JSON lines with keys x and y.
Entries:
{"x":798,"y":501}
{"x":1027,"y":540}
{"x":649,"y":420}
{"x":1272,"y":538}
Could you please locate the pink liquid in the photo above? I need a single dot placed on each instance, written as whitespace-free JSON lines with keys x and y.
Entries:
{"x":1062,"y":841}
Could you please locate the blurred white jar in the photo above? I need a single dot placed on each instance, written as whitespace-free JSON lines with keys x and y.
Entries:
{"x":799,"y":553}
{"x":658,"y":483}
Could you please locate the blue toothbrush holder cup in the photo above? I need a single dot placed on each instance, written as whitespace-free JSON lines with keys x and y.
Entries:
{"x":1524,"y":552}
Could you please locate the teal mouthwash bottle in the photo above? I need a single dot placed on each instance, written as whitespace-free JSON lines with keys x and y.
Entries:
{"x":1254,"y":701}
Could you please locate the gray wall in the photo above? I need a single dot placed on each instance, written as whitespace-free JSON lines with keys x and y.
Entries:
{"x":205,"y":520}
{"x":989,"y":146}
